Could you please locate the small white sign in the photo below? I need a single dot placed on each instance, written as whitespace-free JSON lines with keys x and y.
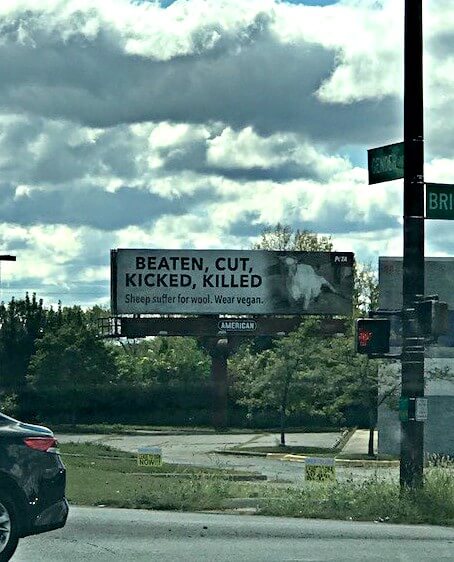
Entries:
{"x":421,"y":409}
{"x":237,"y":325}
{"x":150,"y":450}
{"x":149,"y":456}
{"x":320,"y":469}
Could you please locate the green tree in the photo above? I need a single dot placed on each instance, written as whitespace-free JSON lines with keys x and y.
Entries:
{"x":339,"y":378}
{"x":95,"y":314}
{"x":22,"y":323}
{"x":284,"y":238}
{"x":277,"y":377}
{"x":356,"y":380}
{"x":166,"y":361}
{"x":286,"y":378}
{"x":282,"y":380}
{"x":72,"y":361}
{"x":363,"y":388}
{"x":175,"y":361}
{"x":365,"y":290}
{"x":9,"y":404}
{"x":128,"y":358}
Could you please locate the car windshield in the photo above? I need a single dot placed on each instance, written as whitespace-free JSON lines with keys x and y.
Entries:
{"x":226,"y":279}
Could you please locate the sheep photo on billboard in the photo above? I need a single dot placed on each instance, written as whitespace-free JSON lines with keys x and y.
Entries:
{"x":310,"y":283}
{"x":303,"y":284}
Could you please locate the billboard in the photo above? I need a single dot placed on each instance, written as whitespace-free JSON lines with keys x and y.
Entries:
{"x":231,"y":282}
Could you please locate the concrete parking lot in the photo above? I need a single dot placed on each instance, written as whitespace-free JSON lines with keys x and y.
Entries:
{"x":197,"y":450}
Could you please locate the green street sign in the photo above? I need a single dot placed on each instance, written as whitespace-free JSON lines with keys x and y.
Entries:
{"x":440,"y":201}
{"x":386,"y":163}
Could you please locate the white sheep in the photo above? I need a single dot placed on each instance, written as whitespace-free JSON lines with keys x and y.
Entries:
{"x":303,"y":283}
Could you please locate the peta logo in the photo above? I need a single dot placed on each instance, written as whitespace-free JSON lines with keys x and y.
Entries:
{"x":345,"y":259}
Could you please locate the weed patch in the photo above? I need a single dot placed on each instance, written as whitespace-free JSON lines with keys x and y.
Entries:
{"x":100,"y":475}
{"x":375,"y":499}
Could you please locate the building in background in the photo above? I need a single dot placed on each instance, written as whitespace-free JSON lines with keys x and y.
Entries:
{"x":439,"y":428}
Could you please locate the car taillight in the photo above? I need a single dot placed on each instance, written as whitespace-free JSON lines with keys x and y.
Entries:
{"x":45,"y":444}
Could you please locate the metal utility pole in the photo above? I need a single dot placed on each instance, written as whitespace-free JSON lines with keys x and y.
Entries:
{"x":412,"y":440}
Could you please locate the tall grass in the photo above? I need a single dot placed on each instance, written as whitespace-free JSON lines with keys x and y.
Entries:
{"x":99,"y":475}
{"x":375,"y":499}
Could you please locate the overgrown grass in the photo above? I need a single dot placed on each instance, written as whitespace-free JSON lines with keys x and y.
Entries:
{"x":110,"y":488}
{"x":104,"y":476}
{"x":92,"y":449}
{"x":375,"y":499}
{"x":117,"y":481}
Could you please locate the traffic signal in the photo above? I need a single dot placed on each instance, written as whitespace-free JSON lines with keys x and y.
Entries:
{"x":372,"y":336}
{"x":433,"y":318}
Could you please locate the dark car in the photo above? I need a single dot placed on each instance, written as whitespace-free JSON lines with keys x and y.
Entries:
{"x":32,"y":483}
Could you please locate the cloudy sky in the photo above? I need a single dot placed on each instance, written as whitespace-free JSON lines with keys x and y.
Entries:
{"x":197,"y":123}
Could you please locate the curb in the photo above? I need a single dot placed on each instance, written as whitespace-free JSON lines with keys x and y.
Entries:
{"x":138,"y":432}
{"x":59,"y":429}
{"x":347,"y":434}
{"x":340,"y":462}
{"x":367,"y":464}
{"x":240,"y":453}
{"x":348,"y":463}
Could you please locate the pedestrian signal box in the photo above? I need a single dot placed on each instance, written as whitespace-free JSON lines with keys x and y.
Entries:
{"x":372,"y":336}
{"x":433,"y":318}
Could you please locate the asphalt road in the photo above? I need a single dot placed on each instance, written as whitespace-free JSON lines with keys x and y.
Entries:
{"x":104,"y":534}
{"x":197,"y":450}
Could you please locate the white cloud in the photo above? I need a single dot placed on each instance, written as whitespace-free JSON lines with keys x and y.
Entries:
{"x":245,"y":149}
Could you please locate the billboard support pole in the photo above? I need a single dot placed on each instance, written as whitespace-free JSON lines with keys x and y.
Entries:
{"x":219,"y":380}
{"x":412,"y":432}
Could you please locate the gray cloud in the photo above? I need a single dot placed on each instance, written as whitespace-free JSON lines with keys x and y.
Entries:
{"x":94,"y":207}
{"x":12,"y":245}
{"x":337,"y":218}
{"x":37,"y":151}
{"x":247,"y":78}
{"x":247,"y":225}
{"x":193,"y":156}
{"x":440,"y":45}
{"x":342,"y":217}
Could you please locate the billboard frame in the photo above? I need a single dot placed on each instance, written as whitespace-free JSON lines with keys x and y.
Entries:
{"x":315,"y":306}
